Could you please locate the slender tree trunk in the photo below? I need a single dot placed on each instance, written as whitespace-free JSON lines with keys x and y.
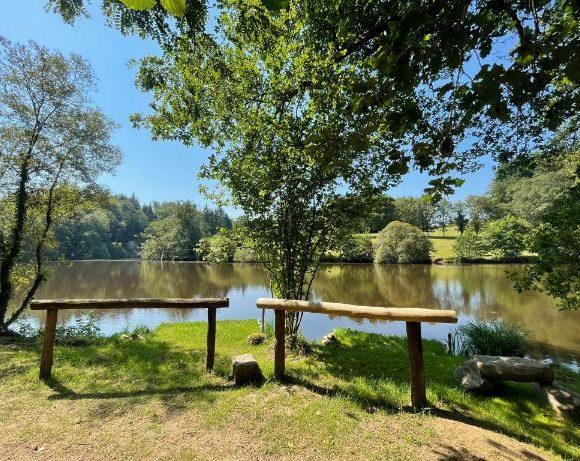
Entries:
{"x":14,"y":246}
{"x":39,"y":254}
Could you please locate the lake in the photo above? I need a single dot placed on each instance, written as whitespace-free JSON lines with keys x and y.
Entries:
{"x":481,"y":292}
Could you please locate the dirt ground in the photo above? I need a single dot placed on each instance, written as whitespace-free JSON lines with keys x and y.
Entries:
{"x":126,"y":429}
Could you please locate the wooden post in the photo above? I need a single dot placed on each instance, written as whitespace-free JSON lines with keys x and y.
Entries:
{"x":48,"y":343}
{"x":418,"y":396}
{"x":280,"y":347}
{"x":211,"y":327}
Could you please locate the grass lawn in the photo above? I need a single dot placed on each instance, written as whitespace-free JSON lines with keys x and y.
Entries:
{"x":150,"y":398}
{"x":442,"y":247}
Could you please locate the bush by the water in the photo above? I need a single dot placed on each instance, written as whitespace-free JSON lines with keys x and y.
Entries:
{"x":490,"y":338}
{"x":83,"y":332}
{"x":503,"y":238}
{"x":357,"y":249}
{"x":400,"y":242}
{"x":219,"y":248}
{"x":245,"y":255}
{"x":468,"y":246}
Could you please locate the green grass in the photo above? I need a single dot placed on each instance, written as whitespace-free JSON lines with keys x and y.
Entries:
{"x":352,"y":395}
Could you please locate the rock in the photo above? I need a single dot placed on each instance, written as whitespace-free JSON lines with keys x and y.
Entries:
{"x":468,"y":376}
{"x":329,"y":338}
{"x":498,"y":368}
{"x":566,"y":403}
{"x":245,"y":370}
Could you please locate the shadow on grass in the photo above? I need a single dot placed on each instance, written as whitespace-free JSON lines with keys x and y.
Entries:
{"x":63,"y":392}
{"x":120,"y":368}
{"x":450,"y":453}
{"x":373,"y":371}
{"x":441,"y":237}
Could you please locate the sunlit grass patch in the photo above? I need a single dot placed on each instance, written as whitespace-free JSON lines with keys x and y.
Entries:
{"x":159,"y":378}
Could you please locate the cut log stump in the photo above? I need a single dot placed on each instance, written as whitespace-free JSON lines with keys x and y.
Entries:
{"x":566,"y":403}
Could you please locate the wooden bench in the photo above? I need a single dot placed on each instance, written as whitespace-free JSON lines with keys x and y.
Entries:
{"x":412,"y":316}
{"x":52,"y":306}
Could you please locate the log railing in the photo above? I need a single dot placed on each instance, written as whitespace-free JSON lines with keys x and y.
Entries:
{"x":412,"y":316}
{"x":52,"y":306}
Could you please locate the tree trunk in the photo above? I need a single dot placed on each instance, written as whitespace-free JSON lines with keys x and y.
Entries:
{"x":39,"y":254}
{"x":15,"y":244}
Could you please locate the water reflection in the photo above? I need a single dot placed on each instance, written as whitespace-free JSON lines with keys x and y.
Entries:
{"x":477,"y":291}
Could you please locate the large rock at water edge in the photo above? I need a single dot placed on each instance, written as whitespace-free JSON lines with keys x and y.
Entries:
{"x":468,"y":376}
{"x":245,"y":370}
{"x":565,"y":402}
{"x":499,"y":368}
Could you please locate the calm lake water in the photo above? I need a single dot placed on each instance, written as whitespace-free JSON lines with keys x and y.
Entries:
{"x":480,"y":292}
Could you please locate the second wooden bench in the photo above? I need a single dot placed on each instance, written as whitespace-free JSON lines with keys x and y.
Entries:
{"x":411,"y":315}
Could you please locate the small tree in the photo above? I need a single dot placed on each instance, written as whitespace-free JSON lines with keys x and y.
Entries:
{"x":482,"y":209}
{"x":382,"y":214}
{"x":505,"y":238}
{"x":443,"y":213}
{"x":401,"y":243}
{"x":357,"y":248}
{"x":460,"y":218}
{"x":468,"y":246}
{"x":287,"y":151}
{"x":50,"y":134}
{"x":175,"y":233}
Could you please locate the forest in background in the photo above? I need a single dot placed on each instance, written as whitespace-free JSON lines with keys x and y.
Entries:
{"x":117,"y":226}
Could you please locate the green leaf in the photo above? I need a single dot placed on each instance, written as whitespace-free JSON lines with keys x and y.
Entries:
{"x":275,"y":5}
{"x":139,"y":4}
{"x":175,"y":7}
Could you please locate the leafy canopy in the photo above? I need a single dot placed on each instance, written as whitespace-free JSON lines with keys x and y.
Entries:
{"x":469,"y":77}
{"x":273,"y":110}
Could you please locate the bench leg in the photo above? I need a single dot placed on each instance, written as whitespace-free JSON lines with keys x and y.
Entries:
{"x":48,"y":343}
{"x":211,"y":328}
{"x":418,"y":395}
{"x":280,"y":347}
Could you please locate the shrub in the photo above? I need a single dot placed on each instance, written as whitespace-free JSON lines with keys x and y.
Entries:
{"x":219,"y":248}
{"x":84,"y":332}
{"x":357,"y":248}
{"x":468,"y":246}
{"x":400,"y":242}
{"x":300,"y":344}
{"x":245,"y":255}
{"x":491,"y":338}
{"x":256,"y":338}
{"x":505,"y":238}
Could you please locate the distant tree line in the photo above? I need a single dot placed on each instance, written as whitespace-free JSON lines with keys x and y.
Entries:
{"x":118,"y":227}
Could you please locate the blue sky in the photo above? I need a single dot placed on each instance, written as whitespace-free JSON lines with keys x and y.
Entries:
{"x":152,"y":170}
